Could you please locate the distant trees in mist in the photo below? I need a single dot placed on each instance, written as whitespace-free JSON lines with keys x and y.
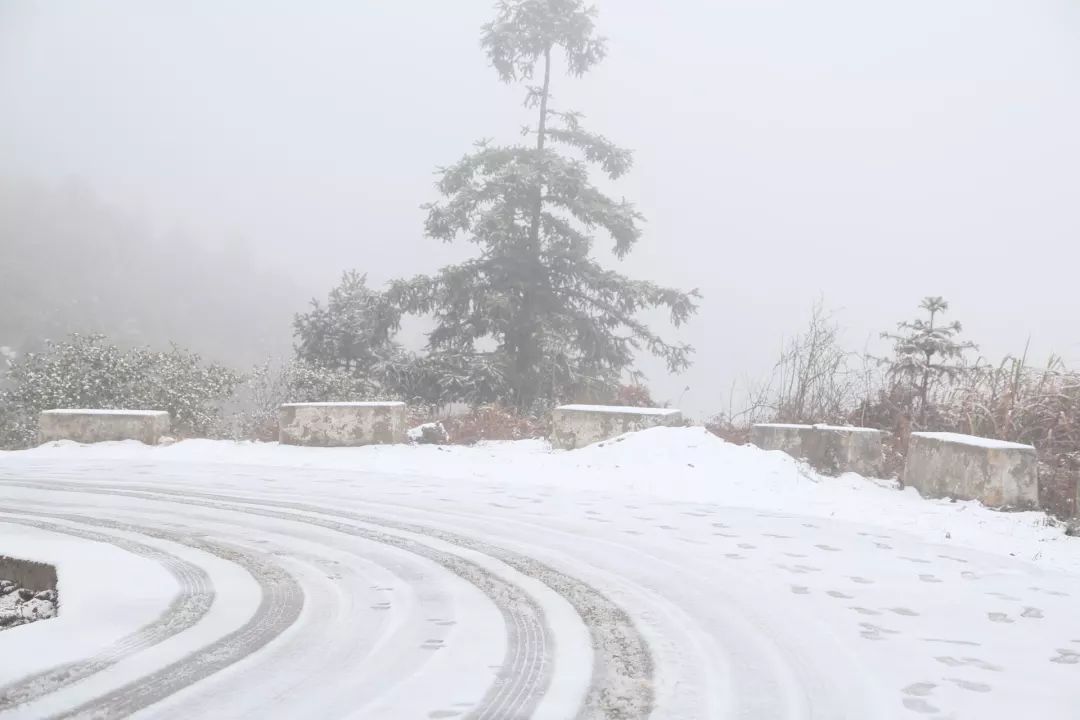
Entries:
{"x":69,"y":262}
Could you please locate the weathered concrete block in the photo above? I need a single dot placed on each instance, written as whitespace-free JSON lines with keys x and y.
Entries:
{"x":785,"y":438}
{"x":575,"y":426}
{"x":91,"y":426}
{"x":343,"y":424}
{"x":999,"y":474}
{"x":28,"y":573}
{"x":829,"y":449}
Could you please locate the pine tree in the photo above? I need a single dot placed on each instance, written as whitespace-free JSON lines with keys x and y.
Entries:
{"x":927,"y":352}
{"x":352,"y":332}
{"x":560,"y":321}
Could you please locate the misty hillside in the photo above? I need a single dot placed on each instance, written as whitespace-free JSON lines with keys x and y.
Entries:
{"x":69,"y":262}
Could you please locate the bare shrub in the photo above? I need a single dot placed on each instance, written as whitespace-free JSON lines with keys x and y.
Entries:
{"x":815,"y":380}
{"x":492,"y":422}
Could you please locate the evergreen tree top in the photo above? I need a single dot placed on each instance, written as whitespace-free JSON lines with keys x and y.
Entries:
{"x":524,"y":31}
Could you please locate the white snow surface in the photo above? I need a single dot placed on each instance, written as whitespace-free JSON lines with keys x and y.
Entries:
{"x":98,"y":411}
{"x":847,"y":428}
{"x":505,"y":580}
{"x":620,"y":409}
{"x":388,"y":403}
{"x":973,"y":440}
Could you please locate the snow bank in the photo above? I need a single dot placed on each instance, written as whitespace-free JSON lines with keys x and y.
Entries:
{"x":662,"y":464}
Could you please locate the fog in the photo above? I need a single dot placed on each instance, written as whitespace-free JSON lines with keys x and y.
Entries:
{"x":869,"y":153}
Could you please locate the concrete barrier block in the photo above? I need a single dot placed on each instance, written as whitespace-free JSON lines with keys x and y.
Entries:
{"x":28,"y":573}
{"x":342,"y":424}
{"x":783,"y":437}
{"x":998,"y":474}
{"x":575,"y":426}
{"x":829,"y":449}
{"x":91,"y":426}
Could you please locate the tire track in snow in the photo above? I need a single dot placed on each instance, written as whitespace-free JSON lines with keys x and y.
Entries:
{"x":282,"y":600}
{"x":622,"y":680}
{"x":192,"y":603}
{"x":526,"y":672}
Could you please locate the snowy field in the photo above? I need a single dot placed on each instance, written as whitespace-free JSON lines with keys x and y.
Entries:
{"x":663,"y":575}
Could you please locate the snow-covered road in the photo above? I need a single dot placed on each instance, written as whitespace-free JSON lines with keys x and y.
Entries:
{"x":666,"y":575}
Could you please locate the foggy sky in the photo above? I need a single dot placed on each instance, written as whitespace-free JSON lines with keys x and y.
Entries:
{"x":867,"y":151}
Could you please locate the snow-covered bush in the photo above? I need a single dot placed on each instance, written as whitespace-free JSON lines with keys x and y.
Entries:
{"x":492,"y":422}
{"x":87,"y":371}
{"x":253,"y":411}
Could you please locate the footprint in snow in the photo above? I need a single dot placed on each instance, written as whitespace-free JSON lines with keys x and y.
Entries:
{"x":800,"y":589}
{"x":734,"y":556}
{"x":1066,"y":657}
{"x":1056,"y":593}
{"x":904,"y":611}
{"x":827,"y":548}
{"x":954,"y":559}
{"x":381,"y":606}
{"x":968,"y":685}
{"x":747,"y":546}
{"x":882,"y":546}
{"x":1003,"y":596}
{"x":919,"y":689}
{"x":776,"y":535}
{"x":1032,"y":612}
{"x":632,"y":532}
{"x":967,"y":661}
{"x":875,"y":632}
{"x":840,"y":595}
{"x":915,"y":560}
{"x":919,"y":705}
{"x":930,"y":578}
{"x":865,"y":611}
{"x":861,"y":580}
{"x":953,"y":642}
{"x":797,"y":569}
{"x":443,"y":714}
{"x":727,"y":535}
{"x":968,"y":575}
{"x":999,"y":617}
{"x":433,"y":644}
{"x":795,"y":555}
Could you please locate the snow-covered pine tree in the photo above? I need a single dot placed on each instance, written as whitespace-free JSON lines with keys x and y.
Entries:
{"x":927,"y":352}
{"x":560,"y":321}
{"x":352,"y":332}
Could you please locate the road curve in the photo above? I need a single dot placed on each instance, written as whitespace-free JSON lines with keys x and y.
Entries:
{"x":392,"y":595}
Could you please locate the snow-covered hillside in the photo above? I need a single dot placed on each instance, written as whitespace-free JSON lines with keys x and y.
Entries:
{"x":665,"y":574}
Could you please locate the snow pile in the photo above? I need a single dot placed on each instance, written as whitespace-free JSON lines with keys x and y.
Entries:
{"x":432,"y":433}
